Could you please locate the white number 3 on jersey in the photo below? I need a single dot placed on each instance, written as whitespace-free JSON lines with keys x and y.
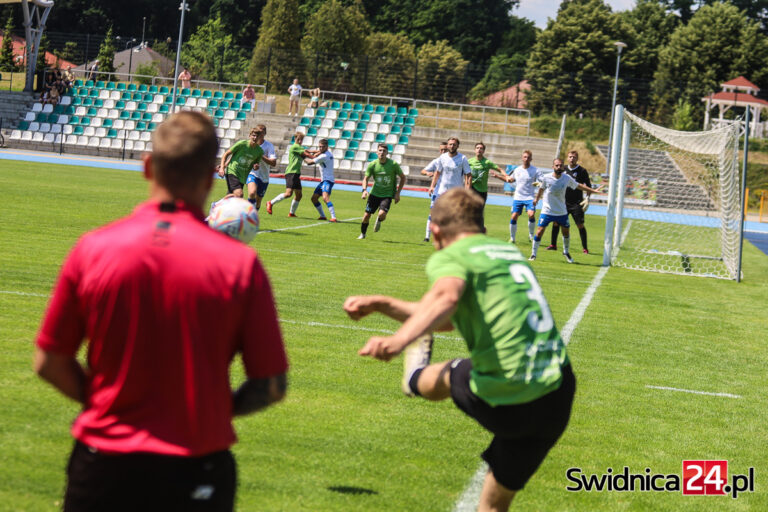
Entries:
{"x":522,"y":274}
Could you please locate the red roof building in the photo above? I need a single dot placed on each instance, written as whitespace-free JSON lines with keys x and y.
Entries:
{"x":740,"y":93}
{"x":19,"y":55}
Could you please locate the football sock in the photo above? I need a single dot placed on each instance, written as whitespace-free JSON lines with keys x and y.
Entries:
{"x":319,"y":208}
{"x":512,"y":229}
{"x":278,"y":198}
{"x":252,"y":201}
{"x":531,"y":226}
{"x":566,"y":244}
{"x":331,"y":209}
{"x":536,"y":242}
{"x":583,"y":235}
{"x":429,"y":222}
{"x":555,"y":234}
{"x":413,"y":382}
{"x":363,"y":227}
{"x":294,"y":205}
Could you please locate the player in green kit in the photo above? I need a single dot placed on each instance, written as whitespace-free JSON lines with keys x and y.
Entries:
{"x":296,"y":156}
{"x":481,"y":168}
{"x":238,"y":161}
{"x":517,"y":382}
{"x":384,"y":171}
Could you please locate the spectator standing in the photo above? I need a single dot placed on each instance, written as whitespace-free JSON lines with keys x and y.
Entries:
{"x":314,"y":101}
{"x":93,"y":71}
{"x":249,"y":96}
{"x":165,"y":303}
{"x":185,"y":77}
{"x":295,"y":91}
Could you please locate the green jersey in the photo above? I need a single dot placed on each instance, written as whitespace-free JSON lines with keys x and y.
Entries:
{"x":516,"y":351}
{"x":480,"y":169}
{"x":295,"y":159}
{"x":243,"y":158}
{"x":383,"y":177}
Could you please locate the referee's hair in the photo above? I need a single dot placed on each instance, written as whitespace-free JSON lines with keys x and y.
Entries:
{"x":458,"y":211}
{"x":184,"y":150}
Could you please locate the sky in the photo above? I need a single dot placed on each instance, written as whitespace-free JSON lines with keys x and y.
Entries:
{"x":540,"y":10}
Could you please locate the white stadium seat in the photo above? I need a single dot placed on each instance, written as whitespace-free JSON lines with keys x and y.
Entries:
{"x":105,"y":143}
{"x":345,"y":165}
{"x":55,"y":128}
{"x":37,"y":107}
{"x":89,"y":131}
{"x":309,"y":112}
{"x":82,"y":140}
{"x":385,"y":128}
{"x":368,"y":137}
{"x":219,"y":153}
{"x":118,"y":124}
{"x":114,"y":95}
{"x":357,"y":165}
{"x":406,"y":169}
{"x":230,"y":134}
{"x":338,"y":154}
{"x":30,"y":116}
{"x":37,"y":137}
{"x":220,"y":133}
{"x":361,"y":155}
{"x":327,"y":123}
{"x":16,"y":135}
{"x":225,"y":143}
{"x":130,"y":105}
{"x":323,"y":132}
{"x":65,"y":100}
{"x":129,"y":145}
{"x":399,"y":149}
{"x":145,"y":136}
{"x":334,"y":134}
{"x":342,"y":144}
{"x":139,"y":145}
{"x":284,"y":159}
{"x":103,"y":94}
{"x":302,"y":129}
{"x":96,"y":122}
{"x":109,"y":104}
{"x":116,"y":143}
{"x":350,"y":126}
{"x":158,"y":99}
{"x":376,"y":118}
{"x":44,"y":127}
{"x":81,"y":111}
{"x":392,"y":138}
{"x":102,"y":112}
{"x":71,"y":139}
{"x":373,"y":127}
{"x":148,"y":146}
{"x":129,"y":124}
{"x":63,"y":119}
{"x":398,"y":158}
{"x":202,"y":103}
{"x":308,"y":141}
{"x":34,"y":126}
{"x":224,"y":124}
{"x":67,"y":129}
{"x":157,"y":118}
{"x":49,"y":137}
{"x":191,"y":102}
{"x":229,"y":114}
{"x":152,"y":108}
{"x":236,"y":124}
{"x":93,"y":142}
{"x":26,"y":135}
{"x":101,"y":131}
{"x":47,"y":108}
{"x":364,"y":146}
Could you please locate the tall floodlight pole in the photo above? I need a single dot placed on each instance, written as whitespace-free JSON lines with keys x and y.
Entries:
{"x":183,"y":8}
{"x":130,"y":57}
{"x":620,"y":46}
{"x":143,"y":26}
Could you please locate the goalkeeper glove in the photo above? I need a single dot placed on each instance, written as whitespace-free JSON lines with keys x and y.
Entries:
{"x":585,"y":204}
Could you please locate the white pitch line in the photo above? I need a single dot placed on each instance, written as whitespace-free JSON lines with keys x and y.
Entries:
{"x":665,"y":388}
{"x":357,"y":328}
{"x":469,"y":499}
{"x":304,"y":226}
{"x":625,"y":233}
{"x":25,"y":294}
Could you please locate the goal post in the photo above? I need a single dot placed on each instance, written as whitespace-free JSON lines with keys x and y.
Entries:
{"x":674,"y":199}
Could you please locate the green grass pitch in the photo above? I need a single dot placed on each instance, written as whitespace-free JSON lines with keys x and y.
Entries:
{"x":345,"y":439}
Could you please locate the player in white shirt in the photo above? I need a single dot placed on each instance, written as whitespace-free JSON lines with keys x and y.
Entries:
{"x":324,"y":161}
{"x":452,"y":171}
{"x":295,"y":91}
{"x":430,"y":170}
{"x":553,"y":187}
{"x":258,"y":179}
{"x":524,"y":176}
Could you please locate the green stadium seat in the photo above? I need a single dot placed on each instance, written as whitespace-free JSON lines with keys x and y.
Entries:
{"x":312,"y":131}
{"x":357,"y":108}
{"x":85,"y":121}
{"x":380,"y":137}
{"x":241,"y":116}
{"x":215,"y":122}
{"x":110,"y":86}
{"x":349,"y":155}
{"x":224,"y":105}
{"x":119,"y":104}
{"x":304,"y":121}
{"x":365,"y":117}
{"x":100,"y":84}
{"x":354,"y":116}
{"x":58,"y":109}
{"x":346,"y":134}
{"x":391,"y":110}
{"x":218,"y":95}
{"x":207,"y":94}
{"x":78,"y":83}
{"x":390,"y":148}
{"x":98,"y":103}
{"x":152,"y":90}
{"x":338,"y":125}
{"x":168,"y":100}
{"x":93,"y":93}
{"x":335,"y":105}
{"x":137,"y":96}
{"x":124,"y":115}
{"x":346,"y":106}
{"x":151,"y":126}
{"x":23,"y":125}
{"x":380,"y":109}
{"x":320,"y":113}
{"x":238,"y":96}
{"x":369,"y":109}
{"x":41,"y":118}
{"x":148,"y":98}
{"x":77,"y":101}
{"x":131,"y":88}
{"x":372,"y":156}
{"x":407,"y":130}
{"x":196,"y":93}
{"x":88,"y":84}
{"x":402,"y":111}
{"x":387,"y":119}
{"x":362,"y":126}
{"x":219,"y":114}
{"x":246,"y":107}
{"x":181,"y":100}
{"x":399,"y":120}
{"x":185,"y":92}
{"x":146,"y":116}
{"x":354,"y":145}
{"x":343,"y":115}
{"x":410,"y":121}
{"x":112,"y":133}
{"x":229,"y":96}
{"x":141,"y":107}
{"x":164,"y":109}
{"x":136,"y":116}
{"x":78,"y":130}
{"x":92,"y":111}
{"x":69,"y":110}
{"x":317,"y":122}
{"x":120,"y":86}
{"x":331,"y":143}
{"x":87,"y":102}
{"x":126,"y":96}
{"x":214,"y":104}
{"x":413,"y":112}
{"x":358,"y":136}
{"x":396,"y":129}
{"x":107,"y":123}
{"x":403,"y":139}
{"x":164,"y":90}
{"x":141,"y":126}
{"x":143,"y":88}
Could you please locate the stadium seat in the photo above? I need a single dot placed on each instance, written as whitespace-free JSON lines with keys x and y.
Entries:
{"x":388,"y":119}
{"x":112,"y":133}
{"x":41,"y":118}
{"x":146,"y":116}
{"x":218,"y":95}
{"x":338,"y":125}
{"x":49,"y":138}
{"x":143,"y":88}
{"x":316,"y":122}
{"x":346,"y":134}
{"x":105,"y":143}
{"x":372,"y":156}
{"x":357,"y":107}
{"x":395,"y":129}
{"x":82,"y":140}
{"x":114,"y":95}
{"x":139,"y":145}
{"x":120,"y":86}
{"x":390,"y":147}
{"x":207,"y":94}
{"x":78,"y":83}
{"x":338,"y":154}
{"x":230,"y":134}
{"x":357,"y":165}
{"x":357,"y":136}
{"x":30,"y":116}
{"x":70,"y":139}
{"x":379,"y":109}
{"x":78,"y":130}
{"x":410,"y":121}
{"x":129,"y":124}
{"x":346,"y":106}
{"x":361,"y":126}
{"x":26,"y":135}
{"x":89,"y":131}
{"x":403,"y":140}
{"x":343,"y":115}
{"x":185,"y":92}
{"x":241,"y":116}
{"x":109,"y":103}
{"x":376,"y":118}
{"x":134,"y":135}
{"x":23,"y":125}
{"x":223,"y":104}
{"x":55,"y":128}
{"x":399,"y":120}
{"x":229,"y":96}
{"x":110,"y":86}
{"x":327,"y":123}
{"x":230,"y":114}
{"x":196,"y":93}
{"x":361,"y":155}
{"x":128,"y":144}
{"x":369,"y":109}
{"x":354,"y":145}
{"x":391,"y":110}
{"x":349,"y":125}
{"x":88,"y":84}
{"x":355,"y":116}
{"x":34,"y":126}
{"x":407,"y":130}
{"x":322,"y":132}
{"x":236,"y":124}
{"x":151,"y":126}
{"x":320,"y":113}
{"x":346,"y":164}
{"x":65,"y":100}
{"x":225,"y":143}
{"x":93,"y":142}
{"x":384,"y":128}
{"x":103,"y":94}
{"x":330,"y":114}
{"x":47,"y":108}
{"x":391,"y":139}
{"x":141,"y":125}
{"x":118,"y":124}
{"x":141,"y":107}
{"x":365,"y":146}
{"x":399,"y":149}
{"x":125,"y":115}
{"x":373,"y":127}
{"x":202,"y":102}
{"x":102,"y":112}
{"x":342,"y":143}
{"x":145,"y":136}
{"x":86,"y":121}
{"x":15,"y":134}
{"x":163,"y":90}
{"x":157,"y":118}
{"x":153,"y":107}
{"x":74,"y":120}
{"x":245,"y":107}
{"x":349,"y":154}
{"x":191,"y":102}
{"x":67,"y":129}
{"x":368,"y":136}
{"x":334,"y":133}
{"x":402,"y":111}
{"x":116,"y":143}
{"x":131,"y":88}
{"x":380,"y":137}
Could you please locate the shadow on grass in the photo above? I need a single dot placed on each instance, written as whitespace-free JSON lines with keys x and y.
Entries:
{"x":346,"y":489}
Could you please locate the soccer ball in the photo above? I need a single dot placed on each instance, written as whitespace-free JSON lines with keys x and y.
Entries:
{"x":236,"y":217}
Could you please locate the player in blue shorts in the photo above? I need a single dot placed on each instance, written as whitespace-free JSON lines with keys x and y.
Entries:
{"x":553,"y":187}
{"x":323,"y":159}
{"x":524,"y":176}
{"x":258,"y":179}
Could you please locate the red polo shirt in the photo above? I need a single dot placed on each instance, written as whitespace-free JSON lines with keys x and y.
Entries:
{"x":166,"y":303}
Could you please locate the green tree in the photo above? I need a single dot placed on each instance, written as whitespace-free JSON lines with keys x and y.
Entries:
{"x":69,"y":52}
{"x":441,"y":72}
{"x":334,"y":45}
{"x":6,"y":52}
{"x":507,"y":67}
{"x":277,"y":57}
{"x":210,"y":54}
{"x":683,"y":117}
{"x":149,"y":69}
{"x":106,"y":54}
{"x":41,"y":63}
{"x":572,"y":65}
{"x":718,"y":44}
{"x":390,"y":65}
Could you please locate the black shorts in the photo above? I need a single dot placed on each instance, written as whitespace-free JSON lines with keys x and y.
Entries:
{"x":523,"y":433}
{"x":149,"y":482}
{"x":484,"y":195}
{"x":378,"y":203}
{"x":575,"y":211}
{"x":293,"y":181}
{"x":233,"y":183}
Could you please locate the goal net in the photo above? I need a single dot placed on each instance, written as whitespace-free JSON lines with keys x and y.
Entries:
{"x":674,"y":203}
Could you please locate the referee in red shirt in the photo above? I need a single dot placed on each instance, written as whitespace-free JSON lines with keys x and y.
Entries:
{"x":165,"y":303}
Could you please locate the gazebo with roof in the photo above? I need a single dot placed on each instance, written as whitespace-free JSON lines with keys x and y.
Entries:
{"x":740,"y":93}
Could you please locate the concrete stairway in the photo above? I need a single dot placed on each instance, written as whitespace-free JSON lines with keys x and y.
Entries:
{"x":13,"y":106}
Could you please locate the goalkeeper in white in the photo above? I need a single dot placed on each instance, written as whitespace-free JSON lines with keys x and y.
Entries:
{"x":575,"y":201}
{"x":553,"y":188}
